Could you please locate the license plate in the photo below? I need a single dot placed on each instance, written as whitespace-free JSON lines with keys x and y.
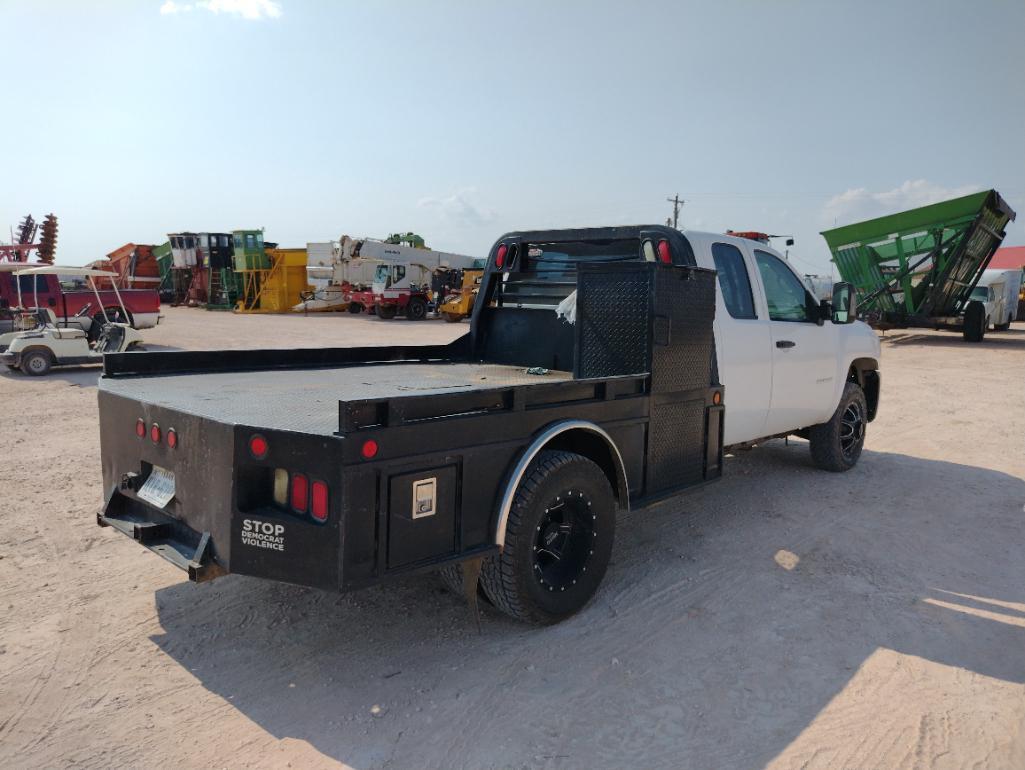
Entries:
{"x":159,"y":487}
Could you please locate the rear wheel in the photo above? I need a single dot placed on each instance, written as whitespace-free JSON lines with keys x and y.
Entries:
{"x":558,"y":540}
{"x":355,"y":308}
{"x":416,"y":309}
{"x":36,"y":362}
{"x":974,"y":322}
{"x":387,"y":312}
{"x":1004,"y":326}
{"x":836,"y":445}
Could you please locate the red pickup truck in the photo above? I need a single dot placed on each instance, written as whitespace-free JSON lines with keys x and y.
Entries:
{"x":69,"y":304}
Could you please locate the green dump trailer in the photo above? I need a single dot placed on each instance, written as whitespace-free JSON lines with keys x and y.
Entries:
{"x":918,"y":268}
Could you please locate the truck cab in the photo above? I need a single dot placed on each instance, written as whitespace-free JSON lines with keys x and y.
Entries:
{"x":782,"y":360}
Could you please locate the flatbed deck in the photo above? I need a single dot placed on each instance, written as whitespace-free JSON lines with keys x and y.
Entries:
{"x":306,"y":400}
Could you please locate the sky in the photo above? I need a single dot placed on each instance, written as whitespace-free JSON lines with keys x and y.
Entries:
{"x":463,"y":120}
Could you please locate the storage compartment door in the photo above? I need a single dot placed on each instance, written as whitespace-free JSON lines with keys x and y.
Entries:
{"x":421,"y":515}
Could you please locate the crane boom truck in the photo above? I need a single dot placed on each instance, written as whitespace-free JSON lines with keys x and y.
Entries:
{"x":501,"y":458}
{"x":394,"y":266}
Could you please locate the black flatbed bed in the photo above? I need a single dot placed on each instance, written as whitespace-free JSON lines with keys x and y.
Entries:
{"x":306,"y":400}
{"x":340,"y":468}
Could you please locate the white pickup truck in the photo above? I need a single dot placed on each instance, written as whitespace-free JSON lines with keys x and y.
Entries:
{"x":603,"y":369}
{"x":787,"y":367}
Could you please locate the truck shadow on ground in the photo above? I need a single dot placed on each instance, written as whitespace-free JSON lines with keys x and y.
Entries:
{"x":727,"y":623}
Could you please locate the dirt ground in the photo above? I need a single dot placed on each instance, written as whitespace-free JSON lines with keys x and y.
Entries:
{"x":784,"y":617}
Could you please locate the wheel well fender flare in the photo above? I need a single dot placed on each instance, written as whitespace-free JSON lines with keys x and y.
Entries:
{"x":580,"y":436}
{"x":865,"y":372}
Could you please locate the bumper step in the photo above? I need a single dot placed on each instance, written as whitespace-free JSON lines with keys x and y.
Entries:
{"x":184,"y":548}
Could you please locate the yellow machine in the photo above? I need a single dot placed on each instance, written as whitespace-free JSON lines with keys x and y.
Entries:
{"x":277,"y":287}
{"x":459,"y":306}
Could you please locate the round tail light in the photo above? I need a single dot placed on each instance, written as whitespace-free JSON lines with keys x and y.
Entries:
{"x":172,"y":438}
{"x":500,"y":256}
{"x":140,"y":428}
{"x":664,"y":255}
{"x":154,"y":433}
{"x":369,"y":449}
{"x":258,"y":446}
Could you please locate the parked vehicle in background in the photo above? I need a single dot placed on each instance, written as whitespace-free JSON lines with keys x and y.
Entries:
{"x":36,"y":351}
{"x":919,"y":267}
{"x":355,"y":264}
{"x":402,"y":289}
{"x":998,"y":290}
{"x":503,"y":457}
{"x":458,"y":305}
{"x":73,"y":304}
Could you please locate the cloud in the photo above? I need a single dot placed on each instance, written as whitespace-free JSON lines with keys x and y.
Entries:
{"x":172,"y":7}
{"x":254,"y":10}
{"x":859,"y":204}
{"x":460,"y":207}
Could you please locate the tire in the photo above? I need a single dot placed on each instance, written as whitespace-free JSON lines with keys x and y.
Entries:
{"x":386,"y":312}
{"x":36,"y":362}
{"x":974,"y":322}
{"x":558,"y":540}
{"x":836,"y":445}
{"x":355,"y":308}
{"x":416,"y":309}
{"x":1004,"y":326}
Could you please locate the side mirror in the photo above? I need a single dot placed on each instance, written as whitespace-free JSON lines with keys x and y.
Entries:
{"x":845,"y":304}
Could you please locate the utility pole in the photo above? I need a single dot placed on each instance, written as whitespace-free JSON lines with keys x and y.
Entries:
{"x":677,"y":205}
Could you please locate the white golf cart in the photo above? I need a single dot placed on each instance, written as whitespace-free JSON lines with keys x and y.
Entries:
{"x":45,"y":345}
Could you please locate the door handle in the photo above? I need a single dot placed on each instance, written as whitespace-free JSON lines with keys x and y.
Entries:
{"x":785,"y":344}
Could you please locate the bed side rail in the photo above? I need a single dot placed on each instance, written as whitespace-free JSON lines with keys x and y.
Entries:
{"x":211,"y":361}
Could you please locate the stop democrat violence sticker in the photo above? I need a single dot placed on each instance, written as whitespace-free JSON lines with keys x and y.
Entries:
{"x":263,"y":534}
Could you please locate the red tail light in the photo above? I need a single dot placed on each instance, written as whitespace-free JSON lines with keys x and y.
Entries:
{"x":300,"y":492}
{"x":369,"y":449}
{"x":318,"y":501}
{"x":500,"y":256}
{"x":664,"y":255}
{"x":140,"y":428}
{"x":258,"y":446}
{"x":154,"y":433}
{"x":172,"y":438}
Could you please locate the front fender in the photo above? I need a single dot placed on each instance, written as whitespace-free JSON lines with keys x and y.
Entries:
{"x":858,"y":346}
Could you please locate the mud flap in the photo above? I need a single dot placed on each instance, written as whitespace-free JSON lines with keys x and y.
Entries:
{"x":471,"y":576}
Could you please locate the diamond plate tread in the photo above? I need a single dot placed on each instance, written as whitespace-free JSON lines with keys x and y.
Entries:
{"x":612,"y":309}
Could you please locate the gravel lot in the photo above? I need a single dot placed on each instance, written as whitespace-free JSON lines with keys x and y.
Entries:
{"x":784,"y":617}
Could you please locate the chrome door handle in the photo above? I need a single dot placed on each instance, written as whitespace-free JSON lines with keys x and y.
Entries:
{"x":785,"y":344}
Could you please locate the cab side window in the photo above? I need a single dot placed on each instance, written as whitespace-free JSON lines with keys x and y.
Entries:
{"x":788,"y":299}
{"x":734,"y":282}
